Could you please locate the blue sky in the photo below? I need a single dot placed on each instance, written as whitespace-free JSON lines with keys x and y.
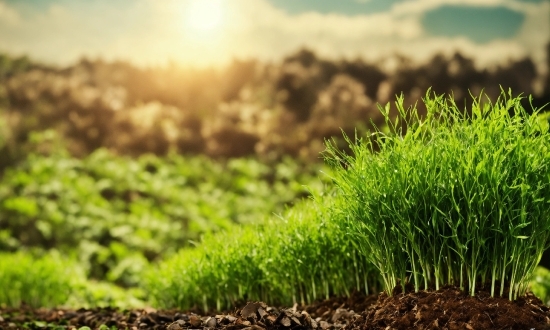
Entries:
{"x":157,"y":31}
{"x":480,"y":25}
{"x":345,"y":7}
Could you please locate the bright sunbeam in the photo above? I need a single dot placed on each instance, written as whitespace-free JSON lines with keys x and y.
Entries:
{"x":204,"y":15}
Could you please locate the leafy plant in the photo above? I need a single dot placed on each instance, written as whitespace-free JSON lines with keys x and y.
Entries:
{"x":117,"y":214}
{"x":91,"y":294}
{"x":451,"y":197}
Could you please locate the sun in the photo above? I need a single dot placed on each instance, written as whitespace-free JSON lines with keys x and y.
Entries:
{"x":204,"y":15}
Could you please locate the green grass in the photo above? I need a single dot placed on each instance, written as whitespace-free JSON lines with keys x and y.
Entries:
{"x":50,"y":280}
{"x":299,"y":257}
{"x":457,"y":198}
{"x":46,"y":281}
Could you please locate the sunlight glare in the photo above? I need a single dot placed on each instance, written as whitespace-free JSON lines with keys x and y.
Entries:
{"x":204,"y":15}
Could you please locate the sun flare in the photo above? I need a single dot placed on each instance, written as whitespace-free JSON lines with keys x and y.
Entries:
{"x":204,"y":15}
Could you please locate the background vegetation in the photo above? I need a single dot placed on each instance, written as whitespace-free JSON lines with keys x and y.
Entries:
{"x":247,"y":109}
{"x":116,"y":214}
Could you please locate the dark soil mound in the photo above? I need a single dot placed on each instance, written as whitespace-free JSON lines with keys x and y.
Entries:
{"x":447,"y":308}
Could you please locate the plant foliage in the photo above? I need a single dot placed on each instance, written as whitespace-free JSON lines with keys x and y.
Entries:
{"x":117,"y":214}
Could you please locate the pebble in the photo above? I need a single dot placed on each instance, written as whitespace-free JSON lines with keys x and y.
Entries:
{"x":211,"y":322}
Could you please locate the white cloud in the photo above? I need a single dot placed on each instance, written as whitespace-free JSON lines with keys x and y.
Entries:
{"x":535,"y":32}
{"x":531,"y":40}
{"x":8,"y":15}
{"x":273,"y":32}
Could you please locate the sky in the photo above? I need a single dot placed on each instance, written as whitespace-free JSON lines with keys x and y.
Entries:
{"x":213,"y":32}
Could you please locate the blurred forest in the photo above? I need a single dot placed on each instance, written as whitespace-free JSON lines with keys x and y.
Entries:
{"x":247,"y":108}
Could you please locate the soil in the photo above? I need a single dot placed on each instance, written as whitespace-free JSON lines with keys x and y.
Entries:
{"x":447,"y":308}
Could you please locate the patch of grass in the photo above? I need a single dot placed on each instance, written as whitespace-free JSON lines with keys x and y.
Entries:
{"x":45,"y":281}
{"x":456,"y":198}
{"x":50,"y":280}
{"x":298,"y":257}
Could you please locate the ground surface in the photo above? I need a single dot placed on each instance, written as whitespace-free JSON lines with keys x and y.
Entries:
{"x":447,"y":308}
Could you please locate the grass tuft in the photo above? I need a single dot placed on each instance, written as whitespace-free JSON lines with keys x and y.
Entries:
{"x":45,"y":281}
{"x":296,"y":258}
{"x":452,"y":197}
